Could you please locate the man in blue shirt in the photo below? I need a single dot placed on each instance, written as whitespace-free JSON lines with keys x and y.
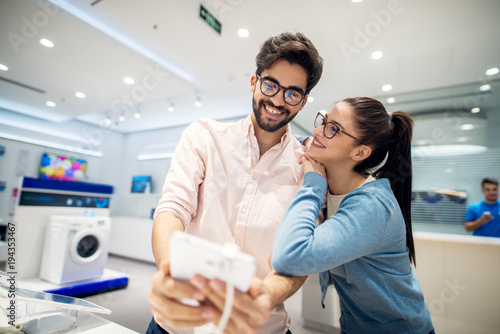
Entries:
{"x":483,"y":217}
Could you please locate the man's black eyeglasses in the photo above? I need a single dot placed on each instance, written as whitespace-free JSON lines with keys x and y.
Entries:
{"x":271,"y":88}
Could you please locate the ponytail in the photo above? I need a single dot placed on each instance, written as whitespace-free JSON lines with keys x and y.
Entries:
{"x":398,"y":169}
{"x":389,"y":136}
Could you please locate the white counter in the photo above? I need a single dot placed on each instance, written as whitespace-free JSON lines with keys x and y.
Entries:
{"x":459,"y":275}
{"x":131,"y":237}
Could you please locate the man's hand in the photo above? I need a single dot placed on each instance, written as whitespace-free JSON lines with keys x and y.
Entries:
{"x":250,"y":310}
{"x":165,"y":305}
{"x":311,"y":165}
{"x":486,"y":217}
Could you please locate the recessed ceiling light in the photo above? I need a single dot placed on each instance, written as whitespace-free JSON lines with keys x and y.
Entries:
{"x":467,"y":127}
{"x":243,"y":33}
{"x":310,"y":99}
{"x":50,"y":104}
{"x":47,"y":43}
{"x":121,"y":118}
{"x":492,"y":71}
{"x":128,"y":80}
{"x":197,"y":103}
{"x":80,"y":95}
{"x":356,"y":1}
{"x":377,"y":55}
{"x":386,"y":88}
{"x":475,"y":110}
{"x":3,"y":67}
{"x":137,"y":114}
{"x":391,"y":100}
{"x":485,"y":88}
{"x":171,"y":108}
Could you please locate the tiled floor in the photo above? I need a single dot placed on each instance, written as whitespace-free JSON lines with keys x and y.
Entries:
{"x":130,"y":307}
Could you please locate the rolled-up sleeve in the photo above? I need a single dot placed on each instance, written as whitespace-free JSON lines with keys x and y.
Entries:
{"x":187,"y":172}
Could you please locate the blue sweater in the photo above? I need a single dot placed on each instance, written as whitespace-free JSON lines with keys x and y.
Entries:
{"x":361,"y":250}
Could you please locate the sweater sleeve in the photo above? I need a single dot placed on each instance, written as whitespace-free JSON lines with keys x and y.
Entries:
{"x":359,"y":228}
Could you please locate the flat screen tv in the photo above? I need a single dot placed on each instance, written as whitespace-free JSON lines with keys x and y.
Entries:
{"x":59,"y":167}
{"x":141,"y":184}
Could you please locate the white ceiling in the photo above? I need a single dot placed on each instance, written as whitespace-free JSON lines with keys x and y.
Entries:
{"x":431,"y":49}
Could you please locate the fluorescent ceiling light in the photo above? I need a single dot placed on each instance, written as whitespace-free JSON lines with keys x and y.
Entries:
{"x":47,"y":43}
{"x":386,"y":88}
{"x":50,"y":104}
{"x":446,"y":150}
{"x":391,"y":100}
{"x":71,"y":8}
{"x":475,"y":110}
{"x":80,"y":95}
{"x":3,"y":67}
{"x":52,"y":145}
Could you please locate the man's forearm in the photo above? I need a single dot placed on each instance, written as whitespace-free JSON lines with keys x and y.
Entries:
{"x":164,"y":225}
{"x":282,"y":287}
{"x":474,"y":225}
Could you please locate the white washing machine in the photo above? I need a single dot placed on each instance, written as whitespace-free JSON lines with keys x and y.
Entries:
{"x":75,"y":248}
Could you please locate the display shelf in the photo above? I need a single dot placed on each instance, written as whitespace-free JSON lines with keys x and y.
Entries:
{"x":141,"y":195}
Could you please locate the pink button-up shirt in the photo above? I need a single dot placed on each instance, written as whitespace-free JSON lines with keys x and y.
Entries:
{"x":221,"y":191}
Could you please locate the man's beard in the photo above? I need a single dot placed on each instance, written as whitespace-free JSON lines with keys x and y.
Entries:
{"x":270,"y":126}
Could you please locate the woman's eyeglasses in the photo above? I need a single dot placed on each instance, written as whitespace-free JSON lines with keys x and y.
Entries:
{"x":330,"y":129}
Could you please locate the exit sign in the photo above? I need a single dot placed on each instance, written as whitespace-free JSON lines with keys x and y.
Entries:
{"x":210,"y":19}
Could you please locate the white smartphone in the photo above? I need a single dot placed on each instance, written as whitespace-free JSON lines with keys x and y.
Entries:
{"x":190,"y":255}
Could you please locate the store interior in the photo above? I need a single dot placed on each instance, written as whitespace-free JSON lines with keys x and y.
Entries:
{"x":99,"y":92}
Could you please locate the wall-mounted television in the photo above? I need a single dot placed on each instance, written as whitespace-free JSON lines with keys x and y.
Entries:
{"x":141,"y":184}
{"x":59,"y":167}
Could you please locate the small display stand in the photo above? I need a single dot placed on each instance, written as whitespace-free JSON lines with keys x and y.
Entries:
{"x":40,"y":312}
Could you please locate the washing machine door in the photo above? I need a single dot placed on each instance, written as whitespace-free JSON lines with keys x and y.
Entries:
{"x":87,"y":245}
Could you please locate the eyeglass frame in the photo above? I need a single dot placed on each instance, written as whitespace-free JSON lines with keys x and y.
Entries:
{"x":335,"y":126}
{"x":285,"y":89}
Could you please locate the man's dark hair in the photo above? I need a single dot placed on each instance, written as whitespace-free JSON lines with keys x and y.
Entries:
{"x":296,"y":49}
{"x":490,"y":180}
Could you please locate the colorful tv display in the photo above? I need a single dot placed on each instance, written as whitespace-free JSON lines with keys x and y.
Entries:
{"x":59,"y":167}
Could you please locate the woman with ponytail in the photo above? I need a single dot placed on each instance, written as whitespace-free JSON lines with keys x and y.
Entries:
{"x":360,"y":161}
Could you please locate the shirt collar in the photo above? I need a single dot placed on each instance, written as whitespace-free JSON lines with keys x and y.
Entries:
{"x":248,"y":129}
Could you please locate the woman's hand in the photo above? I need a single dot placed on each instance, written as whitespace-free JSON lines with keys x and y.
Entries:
{"x":311,"y":165}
